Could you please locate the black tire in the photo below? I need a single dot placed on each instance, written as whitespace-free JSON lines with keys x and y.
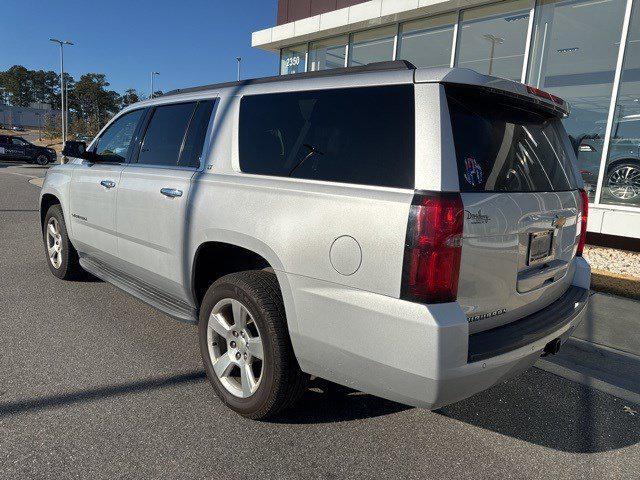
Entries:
{"x":42,"y":160}
{"x":282,"y":381}
{"x":69,"y":267}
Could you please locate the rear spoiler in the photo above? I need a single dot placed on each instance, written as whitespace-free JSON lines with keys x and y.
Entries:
{"x":465,"y":76}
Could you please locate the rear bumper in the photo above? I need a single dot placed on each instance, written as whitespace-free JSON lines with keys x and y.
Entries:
{"x":420,"y":355}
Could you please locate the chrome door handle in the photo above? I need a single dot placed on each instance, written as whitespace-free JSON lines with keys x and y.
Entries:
{"x":171,"y":192}
{"x":108,"y":183}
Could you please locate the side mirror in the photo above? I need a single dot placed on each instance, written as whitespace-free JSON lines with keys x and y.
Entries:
{"x":74,"y":149}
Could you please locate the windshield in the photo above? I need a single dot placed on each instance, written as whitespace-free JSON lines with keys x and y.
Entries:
{"x":505,"y":146}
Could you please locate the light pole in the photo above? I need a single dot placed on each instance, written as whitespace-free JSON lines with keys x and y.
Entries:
{"x":153,"y":74}
{"x":494,"y":41}
{"x":239,"y":60}
{"x":63,"y":103}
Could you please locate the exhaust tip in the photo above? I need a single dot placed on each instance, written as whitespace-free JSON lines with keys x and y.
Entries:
{"x":552,"y":347}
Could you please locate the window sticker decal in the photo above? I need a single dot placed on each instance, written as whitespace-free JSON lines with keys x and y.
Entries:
{"x":473,"y":171}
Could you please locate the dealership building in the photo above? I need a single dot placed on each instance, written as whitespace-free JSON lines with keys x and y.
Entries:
{"x":586,"y":51}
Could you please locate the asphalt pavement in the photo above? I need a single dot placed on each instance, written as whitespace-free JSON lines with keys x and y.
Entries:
{"x":95,"y":384}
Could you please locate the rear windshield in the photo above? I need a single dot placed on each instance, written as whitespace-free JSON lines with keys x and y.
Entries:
{"x":506,"y":146}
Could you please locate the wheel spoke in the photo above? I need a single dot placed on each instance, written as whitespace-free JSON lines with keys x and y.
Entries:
{"x":52,"y":230}
{"x":247,"y":380}
{"x":223,"y":365}
{"x":254,"y":345}
{"x":218,"y":324}
{"x":239,"y":315}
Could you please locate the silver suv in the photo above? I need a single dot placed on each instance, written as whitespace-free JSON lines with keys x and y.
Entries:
{"x":413,"y":234}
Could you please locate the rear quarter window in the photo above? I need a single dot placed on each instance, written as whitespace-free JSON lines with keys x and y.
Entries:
{"x":358,"y":135}
{"x":503,"y":145}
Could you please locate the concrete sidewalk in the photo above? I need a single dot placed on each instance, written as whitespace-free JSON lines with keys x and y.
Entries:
{"x":604,"y":352}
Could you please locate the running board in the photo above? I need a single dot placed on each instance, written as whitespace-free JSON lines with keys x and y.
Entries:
{"x":173,"y":307}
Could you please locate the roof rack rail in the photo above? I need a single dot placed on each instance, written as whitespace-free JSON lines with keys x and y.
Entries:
{"x":370,"y":67}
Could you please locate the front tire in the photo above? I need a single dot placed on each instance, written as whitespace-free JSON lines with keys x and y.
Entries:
{"x":245,"y":345}
{"x":623,"y":181}
{"x":62,"y":258}
{"x":42,"y":160}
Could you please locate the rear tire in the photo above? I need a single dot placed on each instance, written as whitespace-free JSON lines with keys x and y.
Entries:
{"x":248,"y":305}
{"x":62,"y":258}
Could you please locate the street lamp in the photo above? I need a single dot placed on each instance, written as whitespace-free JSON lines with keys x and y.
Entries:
{"x":153,"y":74}
{"x":494,"y":41}
{"x":239,"y":59}
{"x":63,"y":101}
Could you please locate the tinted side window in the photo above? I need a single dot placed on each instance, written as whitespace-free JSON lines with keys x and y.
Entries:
{"x":192,"y":149}
{"x":165,"y":133}
{"x":115,"y":143}
{"x":357,"y":135}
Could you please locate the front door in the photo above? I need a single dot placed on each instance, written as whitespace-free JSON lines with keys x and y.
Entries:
{"x":17,"y":148}
{"x":153,"y":197}
{"x":95,"y":186}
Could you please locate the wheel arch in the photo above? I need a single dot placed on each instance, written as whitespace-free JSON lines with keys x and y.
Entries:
{"x":213,"y":259}
{"x":46,"y":202}
{"x":621,"y":160}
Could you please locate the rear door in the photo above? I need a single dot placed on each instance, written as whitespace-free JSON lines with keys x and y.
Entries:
{"x":94,"y":187}
{"x":4,"y":144}
{"x":520,"y":193}
{"x":153,"y":198}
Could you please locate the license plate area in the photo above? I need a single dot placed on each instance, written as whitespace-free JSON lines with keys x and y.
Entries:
{"x":540,"y":247}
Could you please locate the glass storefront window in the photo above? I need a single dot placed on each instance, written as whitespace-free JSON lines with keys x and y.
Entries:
{"x":292,"y":59}
{"x":427,"y":42}
{"x":621,"y":182}
{"x":329,"y":53}
{"x":573,"y":55}
{"x":372,"y":46}
{"x":492,"y":38}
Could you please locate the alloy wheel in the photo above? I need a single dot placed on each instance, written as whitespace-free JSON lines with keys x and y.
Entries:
{"x":235,"y":347}
{"x":54,"y":242}
{"x":624,"y":182}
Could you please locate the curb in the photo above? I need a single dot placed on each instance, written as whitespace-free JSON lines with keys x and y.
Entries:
{"x":615,"y":284}
{"x":37,"y":182}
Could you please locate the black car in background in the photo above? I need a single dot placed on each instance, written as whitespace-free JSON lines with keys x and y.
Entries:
{"x":17,"y":148}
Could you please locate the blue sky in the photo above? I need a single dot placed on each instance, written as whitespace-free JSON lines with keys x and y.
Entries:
{"x":190,"y":42}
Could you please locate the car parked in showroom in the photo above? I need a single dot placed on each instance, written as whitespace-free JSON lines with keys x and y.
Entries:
{"x":621,"y":182}
{"x":415,"y":234}
{"x":17,"y":148}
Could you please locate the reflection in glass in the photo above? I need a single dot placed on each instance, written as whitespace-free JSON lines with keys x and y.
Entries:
{"x":292,"y":59}
{"x":573,"y":55}
{"x":372,"y":46}
{"x":329,"y":53}
{"x":621,"y":183}
{"x":492,"y":38}
{"x":427,"y":42}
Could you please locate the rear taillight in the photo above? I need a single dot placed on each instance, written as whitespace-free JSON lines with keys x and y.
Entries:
{"x":433,"y":248}
{"x":583,"y":223}
{"x":542,"y":94}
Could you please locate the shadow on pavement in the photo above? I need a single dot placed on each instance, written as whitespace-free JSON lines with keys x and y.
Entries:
{"x":540,"y":408}
{"x":98,"y":393}
{"x":316,"y":406}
